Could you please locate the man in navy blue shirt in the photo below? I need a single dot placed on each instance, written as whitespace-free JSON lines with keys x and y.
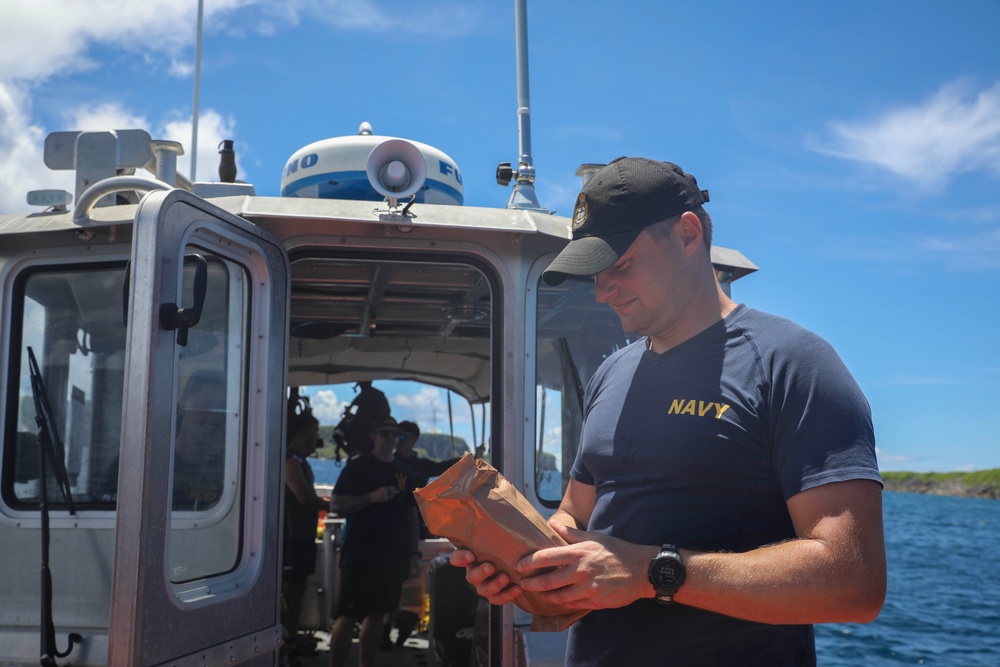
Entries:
{"x":725,"y":495}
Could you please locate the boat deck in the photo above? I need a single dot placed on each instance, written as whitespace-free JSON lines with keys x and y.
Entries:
{"x":414,"y":653}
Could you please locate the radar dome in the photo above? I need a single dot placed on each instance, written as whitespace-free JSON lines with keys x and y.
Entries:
{"x":338,"y":168}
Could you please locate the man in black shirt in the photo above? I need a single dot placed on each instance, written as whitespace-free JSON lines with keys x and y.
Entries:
{"x":380,"y":551}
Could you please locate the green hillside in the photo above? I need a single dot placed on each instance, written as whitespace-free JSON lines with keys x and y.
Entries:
{"x":437,"y":446}
{"x":976,"y":484}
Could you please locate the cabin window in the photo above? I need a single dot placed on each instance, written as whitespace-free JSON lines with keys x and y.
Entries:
{"x":208,"y":444}
{"x":574,"y":335}
{"x":70,"y":317}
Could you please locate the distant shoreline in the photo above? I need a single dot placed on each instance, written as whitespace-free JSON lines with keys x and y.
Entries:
{"x":978,"y":484}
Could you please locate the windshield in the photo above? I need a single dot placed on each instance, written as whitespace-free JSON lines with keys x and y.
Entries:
{"x":71,"y":318}
{"x":72,"y":321}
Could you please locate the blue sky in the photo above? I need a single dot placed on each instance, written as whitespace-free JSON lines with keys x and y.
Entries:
{"x":852,"y":149}
{"x":426,"y":405}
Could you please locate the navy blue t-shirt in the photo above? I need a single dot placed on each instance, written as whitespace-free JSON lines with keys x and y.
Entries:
{"x":701,"y":447}
{"x":378,"y":534}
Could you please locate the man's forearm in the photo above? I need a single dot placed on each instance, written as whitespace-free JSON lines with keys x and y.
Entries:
{"x":835,"y":572}
{"x":344,"y":505}
{"x":567,"y":519}
{"x":795,"y":582}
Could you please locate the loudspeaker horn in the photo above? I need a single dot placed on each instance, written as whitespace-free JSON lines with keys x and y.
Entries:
{"x":396,"y":168}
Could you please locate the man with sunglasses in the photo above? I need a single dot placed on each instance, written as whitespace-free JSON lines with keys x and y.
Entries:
{"x":380,"y":542}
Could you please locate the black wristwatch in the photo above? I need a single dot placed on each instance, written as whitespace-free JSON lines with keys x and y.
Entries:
{"x":666,"y":573}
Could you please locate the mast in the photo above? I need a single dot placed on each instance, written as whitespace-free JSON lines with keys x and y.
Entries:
{"x":197,"y":94}
{"x":523,"y":196}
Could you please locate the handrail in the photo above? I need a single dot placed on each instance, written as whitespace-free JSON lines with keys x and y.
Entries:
{"x":111,"y":185}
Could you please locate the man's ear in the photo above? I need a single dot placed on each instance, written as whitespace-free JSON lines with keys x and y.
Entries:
{"x":689,"y":231}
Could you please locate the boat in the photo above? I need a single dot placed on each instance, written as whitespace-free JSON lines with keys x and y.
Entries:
{"x":151,"y":331}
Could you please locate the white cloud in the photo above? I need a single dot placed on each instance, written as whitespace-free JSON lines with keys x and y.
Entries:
{"x":427,"y":400}
{"x":956,"y":131}
{"x":979,"y":251}
{"x":212,"y":129}
{"x":327,"y":407}
{"x":47,"y":38}
{"x":21,"y":167}
{"x":181,"y":69}
{"x":972,"y":250}
{"x":68,"y":31}
{"x":429,"y":409}
{"x":90,"y":118}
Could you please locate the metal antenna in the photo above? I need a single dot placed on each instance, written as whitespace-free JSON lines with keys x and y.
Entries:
{"x":523,"y":196}
{"x":197,"y":94}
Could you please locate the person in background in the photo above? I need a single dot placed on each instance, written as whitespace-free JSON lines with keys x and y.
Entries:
{"x":726,"y":494}
{"x":199,"y":449}
{"x":380,"y":542}
{"x":423,"y":469}
{"x":200,"y":445}
{"x":302,"y":507}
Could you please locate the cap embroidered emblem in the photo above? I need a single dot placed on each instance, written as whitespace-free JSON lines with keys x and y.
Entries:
{"x":580,"y":215}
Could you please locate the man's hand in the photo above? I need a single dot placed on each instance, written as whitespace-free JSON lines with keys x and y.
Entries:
{"x":489,"y":583}
{"x":593,"y":572}
{"x":383,"y":494}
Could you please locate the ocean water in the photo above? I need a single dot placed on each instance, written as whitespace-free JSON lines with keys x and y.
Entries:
{"x":942,"y":606}
{"x":326,"y":471}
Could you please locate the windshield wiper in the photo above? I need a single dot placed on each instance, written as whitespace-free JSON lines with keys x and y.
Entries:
{"x":52,"y":452}
{"x":567,"y":360}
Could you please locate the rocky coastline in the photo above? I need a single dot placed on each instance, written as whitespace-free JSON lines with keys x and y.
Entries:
{"x":945,"y":487}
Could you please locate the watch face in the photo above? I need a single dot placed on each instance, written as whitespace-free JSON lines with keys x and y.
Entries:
{"x":666,"y":573}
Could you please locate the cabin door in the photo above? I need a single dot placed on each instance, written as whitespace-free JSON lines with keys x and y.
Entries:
{"x":196,"y":572}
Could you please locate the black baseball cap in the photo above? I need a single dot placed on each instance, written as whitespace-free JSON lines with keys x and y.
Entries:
{"x":384,"y":423}
{"x":409,"y":428}
{"x":615,"y":205}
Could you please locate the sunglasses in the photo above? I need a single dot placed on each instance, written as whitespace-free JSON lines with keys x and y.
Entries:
{"x":388,"y":433}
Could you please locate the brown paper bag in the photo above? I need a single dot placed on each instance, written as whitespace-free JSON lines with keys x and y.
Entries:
{"x":476,"y":508}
